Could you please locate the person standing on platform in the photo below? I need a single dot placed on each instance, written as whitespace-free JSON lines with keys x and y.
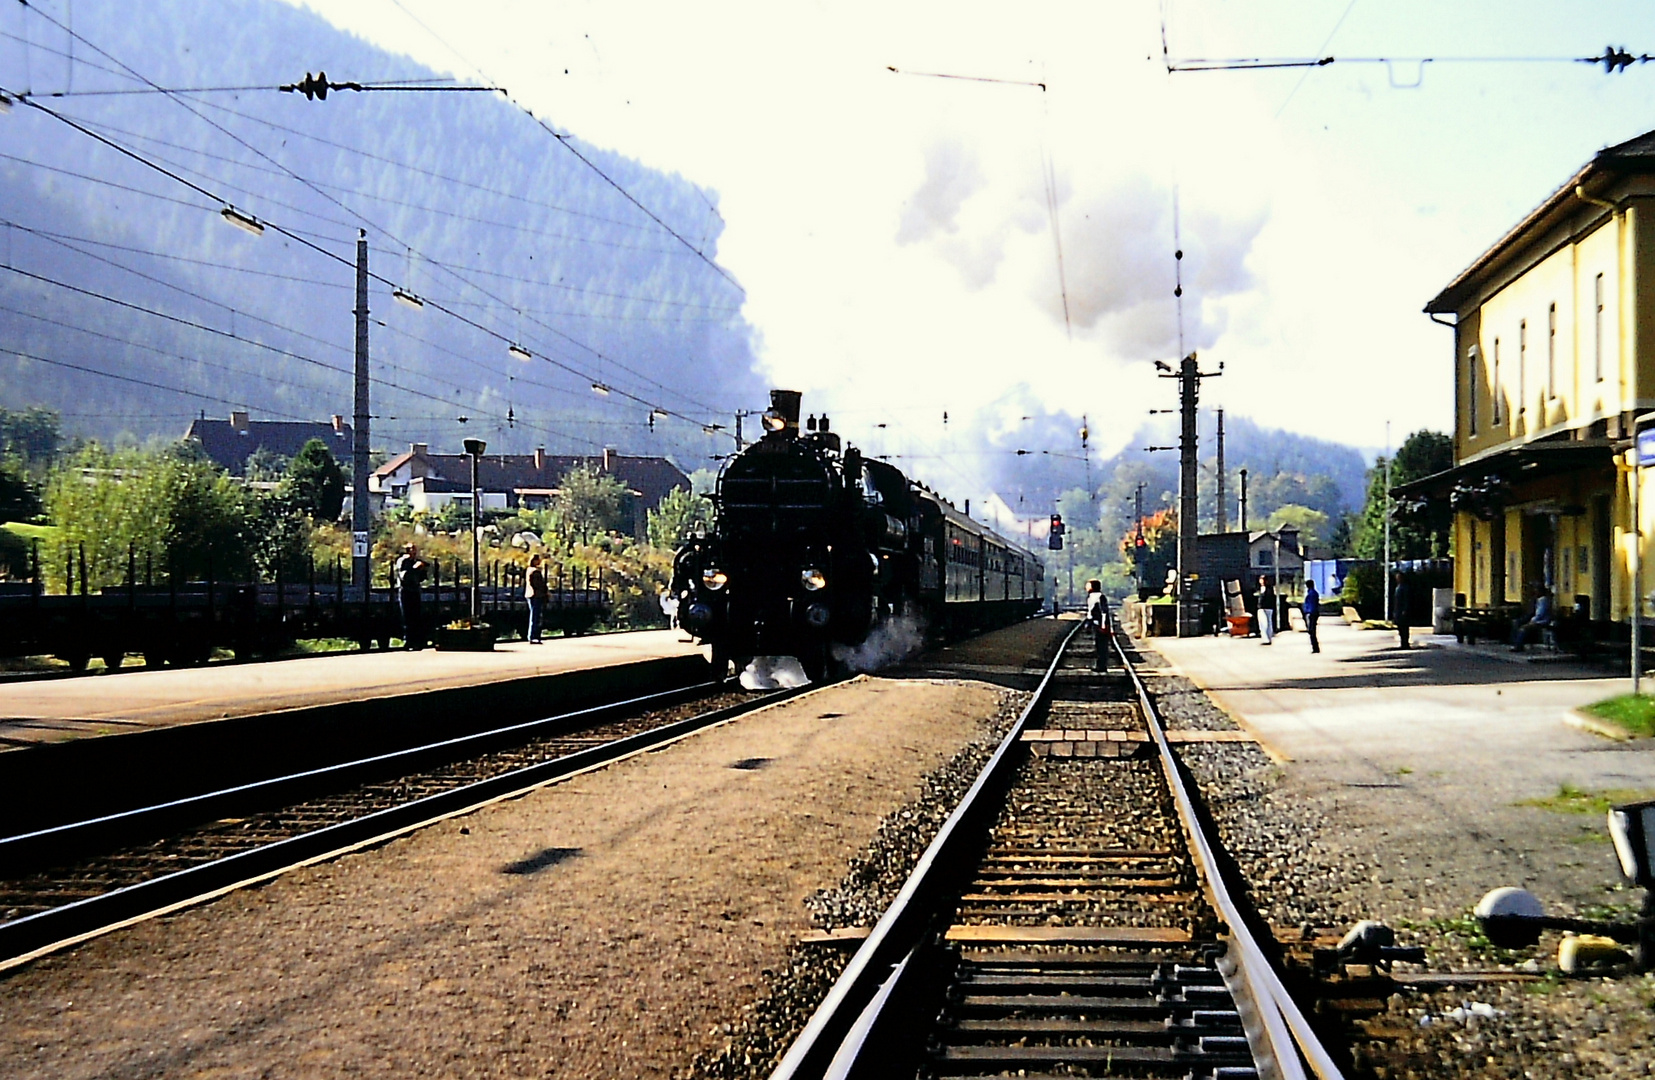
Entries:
{"x":1399,"y":607}
{"x":1097,"y":613}
{"x":1312,"y":611}
{"x":1266,"y":611}
{"x":534,"y":590}
{"x":410,"y":577}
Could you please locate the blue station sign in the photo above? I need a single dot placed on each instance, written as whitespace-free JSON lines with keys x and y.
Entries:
{"x":1646,"y":446}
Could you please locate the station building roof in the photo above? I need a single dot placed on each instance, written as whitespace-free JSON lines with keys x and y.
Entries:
{"x":1635,"y":156}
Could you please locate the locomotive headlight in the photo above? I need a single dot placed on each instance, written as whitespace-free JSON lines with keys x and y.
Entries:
{"x":714,"y":578}
{"x":817,"y":615}
{"x":697,"y":617}
{"x":773,"y":420}
{"x":813,"y":579}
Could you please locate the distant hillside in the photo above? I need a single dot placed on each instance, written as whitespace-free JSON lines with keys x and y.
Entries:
{"x":516,"y":233}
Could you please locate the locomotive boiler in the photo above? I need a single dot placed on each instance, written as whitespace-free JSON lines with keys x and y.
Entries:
{"x":836,"y":560}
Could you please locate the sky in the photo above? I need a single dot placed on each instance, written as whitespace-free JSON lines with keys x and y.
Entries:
{"x":898,"y":234}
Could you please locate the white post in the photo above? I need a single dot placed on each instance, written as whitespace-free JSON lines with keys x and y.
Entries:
{"x":1637,"y":571}
{"x":1385,"y":578}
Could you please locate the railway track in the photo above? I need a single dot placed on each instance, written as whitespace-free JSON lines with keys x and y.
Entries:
{"x":202,"y":847}
{"x":1070,"y":919}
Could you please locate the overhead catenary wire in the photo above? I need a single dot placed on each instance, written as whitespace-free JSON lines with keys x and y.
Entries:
{"x":1614,"y":60}
{"x":191,"y":324}
{"x":295,"y":235}
{"x":229,"y":208}
{"x":438,"y":210}
{"x":360,"y":87}
{"x":132,"y":380}
{"x":566,"y":141}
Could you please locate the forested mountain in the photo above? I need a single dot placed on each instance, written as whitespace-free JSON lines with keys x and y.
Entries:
{"x":467,"y":202}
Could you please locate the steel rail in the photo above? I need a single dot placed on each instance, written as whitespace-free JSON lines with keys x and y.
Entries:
{"x":57,"y":842}
{"x":33,"y":936}
{"x":1285,"y":1028}
{"x":835,"y":1034}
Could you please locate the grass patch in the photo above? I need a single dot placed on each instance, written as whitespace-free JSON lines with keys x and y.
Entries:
{"x":1465,"y":931}
{"x":1634,"y":712}
{"x":1573,"y":800}
{"x":30,"y":532}
{"x":322,"y":646}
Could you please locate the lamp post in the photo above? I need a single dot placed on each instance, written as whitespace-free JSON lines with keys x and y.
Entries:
{"x":475,"y":448}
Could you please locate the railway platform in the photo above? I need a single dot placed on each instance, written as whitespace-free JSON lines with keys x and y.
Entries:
{"x":57,"y":710}
{"x":77,"y":748}
{"x":1443,"y":766}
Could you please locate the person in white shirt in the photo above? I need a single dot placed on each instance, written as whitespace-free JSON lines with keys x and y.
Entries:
{"x":1097,"y":613}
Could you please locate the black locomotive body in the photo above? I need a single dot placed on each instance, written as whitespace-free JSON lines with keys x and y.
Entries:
{"x":817,"y":550}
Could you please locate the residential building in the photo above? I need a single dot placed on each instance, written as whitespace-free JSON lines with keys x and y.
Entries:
{"x":231,"y":442}
{"x":1554,"y":359}
{"x":428,"y":481}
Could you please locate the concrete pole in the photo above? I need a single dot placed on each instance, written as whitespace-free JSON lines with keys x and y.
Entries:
{"x":360,"y":513}
{"x":476,"y":542}
{"x":1189,"y":385}
{"x":1223,"y":512}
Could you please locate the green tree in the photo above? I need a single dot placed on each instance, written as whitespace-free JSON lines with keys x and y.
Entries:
{"x":675,"y":515}
{"x":588,"y":502}
{"x":19,"y":497}
{"x":1160,"y":551}
{"x":1312,"y":524}
{"x":265,"y":465}
{"x":315,"y":483}
{"x":171,"y":508}
{"x":1419,"y":530}
{"x":33,"y":434}
{"x":279,"y":535}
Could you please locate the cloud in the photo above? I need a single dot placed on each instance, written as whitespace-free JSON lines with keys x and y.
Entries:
{"x":952,"y":175}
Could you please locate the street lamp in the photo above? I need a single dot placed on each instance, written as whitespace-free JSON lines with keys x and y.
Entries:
{"x":475,"y":448}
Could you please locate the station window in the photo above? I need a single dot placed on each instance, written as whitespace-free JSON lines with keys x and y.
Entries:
{"x":1551,"y":351}
{"x":1495,"y":384}
{"x":1522,"y":366}
{"x":1471,"y":357}
{"x":1597,"y":335}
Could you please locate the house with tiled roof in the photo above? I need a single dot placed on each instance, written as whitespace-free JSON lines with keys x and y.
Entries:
{"x":429,"y":481}
{"x":231,"y":442}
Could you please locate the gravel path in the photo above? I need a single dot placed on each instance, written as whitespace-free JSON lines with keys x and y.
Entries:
{"x":609,"y":926}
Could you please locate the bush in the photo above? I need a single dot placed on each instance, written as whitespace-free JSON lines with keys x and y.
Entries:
{"x":1364,"y":589}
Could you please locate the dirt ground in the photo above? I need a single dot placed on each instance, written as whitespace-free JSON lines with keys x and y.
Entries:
{"x":603,"y":927}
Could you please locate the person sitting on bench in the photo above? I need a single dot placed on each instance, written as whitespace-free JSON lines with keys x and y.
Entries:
{"x":1541,"y":621}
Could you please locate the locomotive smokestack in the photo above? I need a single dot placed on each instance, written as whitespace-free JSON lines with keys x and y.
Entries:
{"x":782,"y":418}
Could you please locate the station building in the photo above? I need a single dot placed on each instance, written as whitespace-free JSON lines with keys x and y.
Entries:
{"x":1554,"y":360}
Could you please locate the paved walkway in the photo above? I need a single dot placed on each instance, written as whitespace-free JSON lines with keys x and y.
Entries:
{"x":51,"y":710}
{"x":1432,"y":749}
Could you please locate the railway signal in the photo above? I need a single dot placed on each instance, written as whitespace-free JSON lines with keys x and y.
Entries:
{"x":1054,"y":538}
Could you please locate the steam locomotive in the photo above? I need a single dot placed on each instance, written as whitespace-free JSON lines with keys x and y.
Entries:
{"x":823,"y":555}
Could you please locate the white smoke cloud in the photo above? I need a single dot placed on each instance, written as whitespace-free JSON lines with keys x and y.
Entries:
{"x":892,"y":640}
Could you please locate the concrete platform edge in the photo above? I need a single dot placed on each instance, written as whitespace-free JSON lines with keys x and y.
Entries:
{"x":1240,"y":721}
{"x":1577,"y":719}
{"x":122,"y":770}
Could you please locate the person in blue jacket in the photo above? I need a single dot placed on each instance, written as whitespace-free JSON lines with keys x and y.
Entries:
{"x":1312,"y":611}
